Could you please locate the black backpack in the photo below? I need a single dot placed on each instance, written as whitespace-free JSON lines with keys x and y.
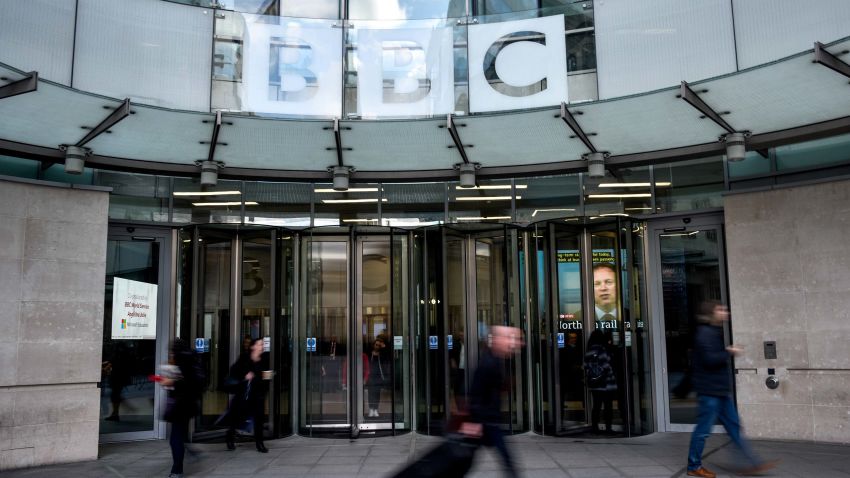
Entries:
{"x":594,"y":370}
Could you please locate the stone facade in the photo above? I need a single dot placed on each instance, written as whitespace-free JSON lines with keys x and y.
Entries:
{"x":788,"y":258}
{"x":52,"y":269}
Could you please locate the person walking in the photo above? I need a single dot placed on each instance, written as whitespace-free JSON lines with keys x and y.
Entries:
{"x":485,"y":394}
{"x":184,"y":392}
{"x":601,"y":380}
{"x":250,"y":395}
{"x":712,"y":380}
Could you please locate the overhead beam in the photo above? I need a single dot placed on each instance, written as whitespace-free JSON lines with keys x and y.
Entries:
{"x":214,"y":139}
{"x":19,"y":87}
{"x":573,"y":124}
{"x":830,"y":61}
{"x":338,"y":141}
{"x":690,"y":97}
{"x":687,"y":94}
{"x":117,"y":115}
{"x":452,"y":127}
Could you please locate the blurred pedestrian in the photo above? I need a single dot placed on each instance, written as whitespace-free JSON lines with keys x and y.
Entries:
{"x":485,"y":395}
{"x":601,"y":380}
{"x":379,"y":375}
{"x":248,"y":402}
{"x":184,"y":383}
{"x":120,"y":369}
{"x":712,"y":380}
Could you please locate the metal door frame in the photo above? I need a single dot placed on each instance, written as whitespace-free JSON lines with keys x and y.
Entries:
{"x":357,"y":397}
{"x":301,"y":332}
{"x":660,"y":386}
{"x":166,"y":285}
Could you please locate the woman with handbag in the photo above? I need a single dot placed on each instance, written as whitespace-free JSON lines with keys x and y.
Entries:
{"x":184,"y":384}
{"x":249,"y":394}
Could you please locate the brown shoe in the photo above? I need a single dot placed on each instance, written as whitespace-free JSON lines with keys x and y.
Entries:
{"x":759,"y":469}
{"x":703,"y":472}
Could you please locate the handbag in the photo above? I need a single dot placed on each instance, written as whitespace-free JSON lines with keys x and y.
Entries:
{"x":230,"y":385}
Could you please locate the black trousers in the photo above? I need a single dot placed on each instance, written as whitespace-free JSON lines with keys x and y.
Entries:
{"x":600,"y":398}
{"x":239,"y":412}
{"x":177,"y":441}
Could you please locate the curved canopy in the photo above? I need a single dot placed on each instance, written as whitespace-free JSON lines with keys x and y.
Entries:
{"x":790,"y":100}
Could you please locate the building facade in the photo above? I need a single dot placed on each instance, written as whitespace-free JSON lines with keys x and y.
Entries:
{"x":370,"y":187}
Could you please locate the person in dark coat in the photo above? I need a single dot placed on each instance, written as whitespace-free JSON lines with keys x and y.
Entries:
{"x":379,"y":375}
{"x":185,"y":385}
{"x":712,"y":380}
{"x":485,"y":395}
{"x":601,"y":380}
{"x":250,"y":395}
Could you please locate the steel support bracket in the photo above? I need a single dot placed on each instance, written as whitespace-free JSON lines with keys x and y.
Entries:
{"x":568,"y":118}
{"x":19,"y":87}
{"x":117,"y":115}
{"x":830,"y":61}
{"x":452,"y":127}
{"x":690,"y":97}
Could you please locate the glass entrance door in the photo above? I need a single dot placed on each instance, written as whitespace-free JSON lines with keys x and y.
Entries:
{"x":324,"y":336}
{"x":383,"y":396}
{"x":134,"y":334}
{"x":689,"y":270}
{"x":469,"y":282}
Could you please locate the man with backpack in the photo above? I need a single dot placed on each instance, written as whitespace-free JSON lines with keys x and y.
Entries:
{"x":600,"y":379}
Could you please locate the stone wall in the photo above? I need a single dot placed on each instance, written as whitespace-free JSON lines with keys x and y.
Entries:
{"x":788,"y":254}
{"x":52,"y":267}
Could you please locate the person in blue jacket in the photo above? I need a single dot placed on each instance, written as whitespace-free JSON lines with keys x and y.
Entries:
{"x":712,"y":380}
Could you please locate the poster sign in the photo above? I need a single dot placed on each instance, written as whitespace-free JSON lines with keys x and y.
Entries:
{"x":398,"y":343}
{"x":267,"y":344}
{"x":449,"y":342}
{"x":432,"y":342}
{"x":311,"y":344}
{"x":133,"y":310}
{"x":561,"y":341}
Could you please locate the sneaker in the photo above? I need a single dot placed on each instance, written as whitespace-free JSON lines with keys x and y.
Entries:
{"x":759,"y":469}
{"x":703,"y":472}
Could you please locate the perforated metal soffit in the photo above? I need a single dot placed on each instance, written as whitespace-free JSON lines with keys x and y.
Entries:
{"x":789,"y":100}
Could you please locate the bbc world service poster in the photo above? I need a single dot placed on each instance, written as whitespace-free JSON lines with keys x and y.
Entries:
{"x":133,"y":310}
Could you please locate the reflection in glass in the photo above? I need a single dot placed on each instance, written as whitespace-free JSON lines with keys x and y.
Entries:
{"x":569,"y":323}
{"x":690,"y":275}
{"x":213,"y":324}
{"x":256,"y":317}
{"x":609,"y":321}
{"x":405,"y":9}
{"x":694,"y":184}
{"x":325,"y":364}
{"x":127,"y":395}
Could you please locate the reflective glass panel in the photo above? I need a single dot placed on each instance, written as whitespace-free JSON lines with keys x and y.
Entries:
{"x":489,"y":200}
{"x":136,"y":197}
{"x":622,"y":192}
{"x":405,"y":9}
{"x":278,"y":204}
{"x":413,"y":204}
{"x":221,"y":203}
{"x":547,"y":197}
{"x":695,"y":184}
{"x":356,"y":206}
{"x":127,"y":395}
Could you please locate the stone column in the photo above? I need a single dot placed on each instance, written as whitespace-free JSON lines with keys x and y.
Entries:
{"x":788,"y":253}
{"x":52,"y":270}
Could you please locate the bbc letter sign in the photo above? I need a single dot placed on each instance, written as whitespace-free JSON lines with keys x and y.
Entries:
{"x":516,"y":65}
{"x":292,"y":67}
{"x":405,"y":72}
